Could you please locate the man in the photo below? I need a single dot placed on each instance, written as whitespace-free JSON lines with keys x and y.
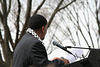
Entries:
{"x":30,"y":51}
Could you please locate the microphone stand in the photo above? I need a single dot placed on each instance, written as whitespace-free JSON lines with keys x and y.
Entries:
{"x":77,"y":47}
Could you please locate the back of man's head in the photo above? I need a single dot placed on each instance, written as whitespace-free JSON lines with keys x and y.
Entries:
{"x":37,"y":21}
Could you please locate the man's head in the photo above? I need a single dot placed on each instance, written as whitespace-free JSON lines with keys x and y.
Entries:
{"x":39,"y":24}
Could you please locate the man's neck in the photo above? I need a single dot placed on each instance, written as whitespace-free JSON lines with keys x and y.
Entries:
{"x":38,"y":32}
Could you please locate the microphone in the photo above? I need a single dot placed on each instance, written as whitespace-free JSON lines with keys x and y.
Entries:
{"x":60,"y":46}
{"x":57,"y":44}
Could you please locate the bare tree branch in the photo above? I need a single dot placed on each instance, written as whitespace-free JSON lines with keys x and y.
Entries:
{"x":7,"y":35}
{"x":1,"y":39}
{"x":72,"y":39}
{"x":66,"y":5}
{"x":4,"y":20}
{"x":83,"y":35}
{"x":55,"y":11}
{"x":52,"y":37}
{"x":97,"y":18}
{"x":1,"y":42}
{"x":1,"y":16}
{"x":87,"y":22}
{"x":28,"y":12}
{"x":18,"y":19}
{"x":9,"y":7}
{"x":2,"y":63}
{"x":39,"y":7}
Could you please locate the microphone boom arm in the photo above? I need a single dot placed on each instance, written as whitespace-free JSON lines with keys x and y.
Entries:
{"x":78,"y":47}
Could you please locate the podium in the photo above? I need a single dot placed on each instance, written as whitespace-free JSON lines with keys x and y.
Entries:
{"x":93,"y":60}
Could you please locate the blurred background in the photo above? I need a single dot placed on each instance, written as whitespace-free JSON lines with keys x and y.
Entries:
{"x":70,"y":23}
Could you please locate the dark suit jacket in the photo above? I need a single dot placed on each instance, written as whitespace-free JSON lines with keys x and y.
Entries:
{"x":30,"y":51}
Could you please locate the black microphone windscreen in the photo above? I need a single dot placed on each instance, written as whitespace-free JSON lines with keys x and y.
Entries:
{"x":55,"y":43}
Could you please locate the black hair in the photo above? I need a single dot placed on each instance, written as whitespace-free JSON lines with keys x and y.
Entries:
{"x":37,"y":21}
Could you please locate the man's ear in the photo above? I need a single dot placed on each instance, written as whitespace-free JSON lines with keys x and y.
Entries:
{"x":43,"y":28}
